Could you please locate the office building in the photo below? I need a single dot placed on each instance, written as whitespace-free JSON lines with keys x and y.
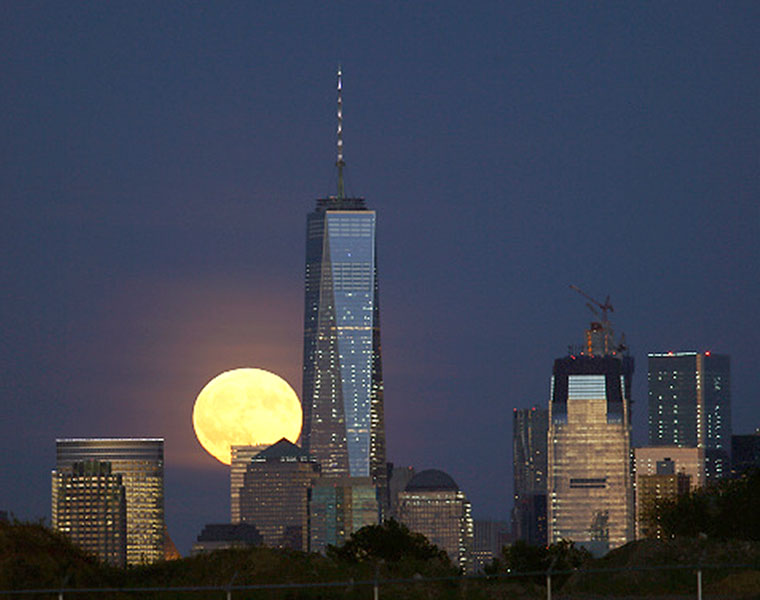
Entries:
{"x":342,"y":375}
{"x":338,"y":507}
{"x":89,"y":507}
{"x":663,"y":472}
{"x":690,"y":406}
{"x":275,"y":495}
{"x":140,"y":462}
{"x":488,"y":540}
{"x":432,"y":504}
{"x":223,"y":536}
{"x":590,"y":487}
{"x":240,"y":459}
{"x":745,"y":453}
{"x":398,"y":477}
{"x":529,"y":452}
{"x":689,"y":461}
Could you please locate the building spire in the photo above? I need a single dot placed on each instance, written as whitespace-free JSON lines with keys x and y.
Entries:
{"x":340,"y":163}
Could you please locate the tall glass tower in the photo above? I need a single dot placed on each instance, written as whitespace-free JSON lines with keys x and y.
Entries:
{"x":529,"y":451}
{"x":690,"y":406}
{"x":140,"y":463}
{"x":342,"y":400}
{"x":589,"y":482}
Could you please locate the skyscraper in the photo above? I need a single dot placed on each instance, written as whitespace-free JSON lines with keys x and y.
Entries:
{"x":589,"y":486}
{"x":89,"y":508}
{"x":338,"y":507}
{"x":529,"y":433}
{"x":664,"y":472}
{"x":140,"y":463}
{"x":275,"y":495}
{"x":240,"y":459}
{"x":432,"y":504}
{"x":342,"y":375}
{"x":690,"y":406}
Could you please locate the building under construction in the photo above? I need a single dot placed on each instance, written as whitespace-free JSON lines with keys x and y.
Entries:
{"x":590,"y":490}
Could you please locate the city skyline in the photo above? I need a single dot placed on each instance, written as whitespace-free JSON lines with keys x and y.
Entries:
{"x":159,"y":163}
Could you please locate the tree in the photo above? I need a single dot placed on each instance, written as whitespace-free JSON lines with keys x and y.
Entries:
{"x":391,"y":542}
{"x":724,"y":511}
{"x":522,"y":557}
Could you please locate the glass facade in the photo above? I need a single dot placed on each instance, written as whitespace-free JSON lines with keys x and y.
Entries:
{"x":240,"y":459}
{"x":530,"y":430}
{"x":89,"y":508}
{"x":589,"y":446}
{"x":342,"y":375}
{"x":338,"y":507}
{"x":432,"y":504}
{"x":690,"y":406}
{"x":140,"y":462}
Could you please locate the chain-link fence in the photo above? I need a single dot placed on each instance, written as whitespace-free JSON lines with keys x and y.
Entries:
{"x":669,"y":582}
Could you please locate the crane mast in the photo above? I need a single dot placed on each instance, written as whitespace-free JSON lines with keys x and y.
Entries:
{"x":600,"y":338}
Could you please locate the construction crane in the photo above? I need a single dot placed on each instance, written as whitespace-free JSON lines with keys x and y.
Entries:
{"x":604,"y":329}
{"x":603,"y":307}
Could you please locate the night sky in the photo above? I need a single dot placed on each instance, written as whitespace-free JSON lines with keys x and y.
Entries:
{"x":158,"y":161}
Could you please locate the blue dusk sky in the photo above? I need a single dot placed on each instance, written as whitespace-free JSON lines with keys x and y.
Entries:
{"x":159,"y":160}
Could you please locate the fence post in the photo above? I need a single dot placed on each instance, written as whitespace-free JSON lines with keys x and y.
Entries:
{"x":699,"y":584}
{"x":229,"y":586}
{"x":376,"y":587}
{"x":64,"y":581}
{"x":549,"y":577}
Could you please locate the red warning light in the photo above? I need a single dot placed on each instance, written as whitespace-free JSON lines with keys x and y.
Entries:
{"x":707,"y":353}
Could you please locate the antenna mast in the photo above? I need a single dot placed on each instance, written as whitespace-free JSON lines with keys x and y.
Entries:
{"x":340,"y":163}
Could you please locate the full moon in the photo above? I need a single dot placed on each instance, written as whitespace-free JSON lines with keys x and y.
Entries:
{"x":245,"y":407}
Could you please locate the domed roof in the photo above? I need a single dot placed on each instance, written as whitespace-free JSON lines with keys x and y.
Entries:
{"x":431,"y":480}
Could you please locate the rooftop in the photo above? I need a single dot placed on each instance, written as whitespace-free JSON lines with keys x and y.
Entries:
{"x":431,"y":480}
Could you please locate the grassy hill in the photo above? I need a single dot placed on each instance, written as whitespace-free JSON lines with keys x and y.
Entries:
{"x":34,"y":557}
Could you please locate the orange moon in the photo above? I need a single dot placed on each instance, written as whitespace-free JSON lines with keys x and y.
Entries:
{"x":245,"y":407}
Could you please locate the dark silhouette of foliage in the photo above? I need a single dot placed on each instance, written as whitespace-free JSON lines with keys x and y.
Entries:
{"x":391,"y":542}
{"x":727,"y":510}
{"x":522,"y":557}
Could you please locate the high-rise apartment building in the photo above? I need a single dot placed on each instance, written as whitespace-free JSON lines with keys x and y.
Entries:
{"x":529,"y":451}
{"x":590,"y":484}
{"x":342,"y":375}
{"x":660,"y":477}
{"x":275,"y":495}
{"x":432,"y":504}
{"x":90,"y":508}
{"x":690,"y":406}
{"x":689,"y":461}
{"x":240,"y":459}
{"x":140,"y":463}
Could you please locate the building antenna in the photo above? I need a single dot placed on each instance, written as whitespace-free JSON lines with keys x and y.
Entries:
{"x":340,"y":163}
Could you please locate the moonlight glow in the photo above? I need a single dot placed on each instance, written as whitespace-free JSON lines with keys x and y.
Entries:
{"x":245,"y":407}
